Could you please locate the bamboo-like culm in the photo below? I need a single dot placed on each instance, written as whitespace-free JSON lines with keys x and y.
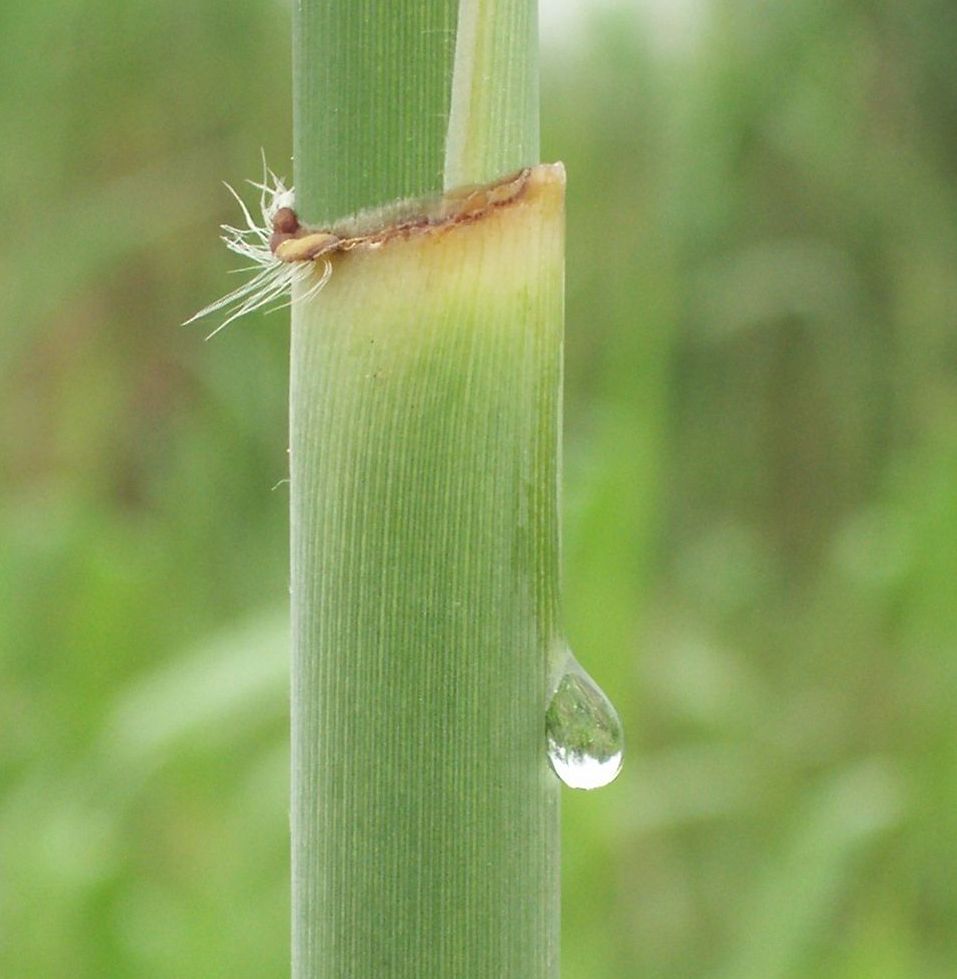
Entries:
{"x":424,"y":442}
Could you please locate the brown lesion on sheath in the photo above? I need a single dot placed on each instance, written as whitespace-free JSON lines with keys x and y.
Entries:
{"x":292,"y":242}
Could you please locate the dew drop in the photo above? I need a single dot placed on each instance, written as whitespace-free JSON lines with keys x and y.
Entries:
{"x":584,"y":733}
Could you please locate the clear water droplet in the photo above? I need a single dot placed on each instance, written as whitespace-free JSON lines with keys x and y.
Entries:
{"x":584,"y":733}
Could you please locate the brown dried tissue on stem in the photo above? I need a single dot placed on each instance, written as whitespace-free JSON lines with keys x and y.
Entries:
{"x":286,"y":252}
{"x":292,"y":242}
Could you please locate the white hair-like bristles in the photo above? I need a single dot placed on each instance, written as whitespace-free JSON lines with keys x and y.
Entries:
{"x":274,"y":279}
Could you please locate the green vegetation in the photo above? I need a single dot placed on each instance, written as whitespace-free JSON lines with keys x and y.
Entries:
{"x":425,"y":389}
{"x":424,"y":439}
{"x":760,"y":522}
{"x":371,"y":91}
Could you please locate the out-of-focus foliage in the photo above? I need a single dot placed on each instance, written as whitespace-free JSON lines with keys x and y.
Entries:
{"x":761,"y":492}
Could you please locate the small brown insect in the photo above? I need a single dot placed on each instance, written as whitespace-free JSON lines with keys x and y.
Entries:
{"x":285,"y":225}
{"x":285,"y":221}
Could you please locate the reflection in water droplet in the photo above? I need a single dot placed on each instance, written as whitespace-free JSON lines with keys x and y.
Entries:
{"x":585,"y":738}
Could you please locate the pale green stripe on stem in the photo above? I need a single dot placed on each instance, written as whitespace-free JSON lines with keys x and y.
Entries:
{"x":493,"y":119}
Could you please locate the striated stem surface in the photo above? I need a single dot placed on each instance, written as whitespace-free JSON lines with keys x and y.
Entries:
{"x":426,"y":388}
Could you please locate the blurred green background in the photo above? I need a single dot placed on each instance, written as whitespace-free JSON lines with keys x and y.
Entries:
{"x":760,"y":492}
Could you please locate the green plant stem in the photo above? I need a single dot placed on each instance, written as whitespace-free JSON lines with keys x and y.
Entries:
{"x":425,"y":602}
{"x":424,"y":440}
{"x":493,"y":119}
{"x":371,"y":88}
